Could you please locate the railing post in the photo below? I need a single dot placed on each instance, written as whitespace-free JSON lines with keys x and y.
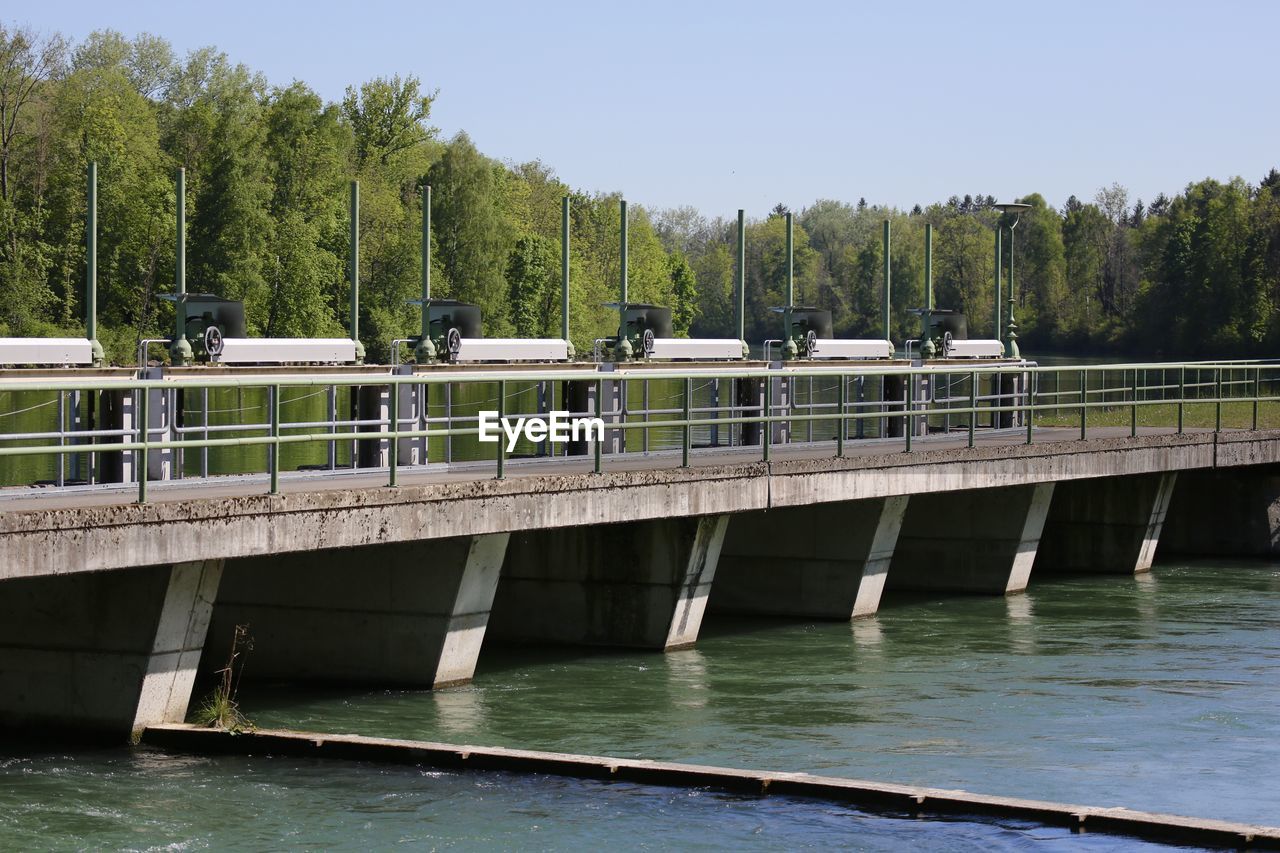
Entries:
{"x":1217,"y":414}
{"x":1133,"y":409}
{"x":599,"y":442}
{"x":1182,"y":397}
{"x":273,"y":449}
{"x":766,"y":426}
{"x":1031,"y":403}
{"x":393,"y":449}
{"x":502,"y":444}
{"x":140,"y":435}
{"x":1084,"y":402}
{"x":973,"y":404}
{"x":686,"y":437}
{"x":840,"y":421}
{"x":1257,"y":392}
{"x":908,"y":419}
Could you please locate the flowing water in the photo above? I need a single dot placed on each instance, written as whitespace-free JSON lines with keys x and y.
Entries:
{"x":1160,"y":692}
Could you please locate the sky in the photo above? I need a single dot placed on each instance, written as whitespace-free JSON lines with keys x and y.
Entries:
{"x":724,"y":105}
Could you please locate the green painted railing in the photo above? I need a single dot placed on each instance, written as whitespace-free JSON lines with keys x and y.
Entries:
{"x":905,"y":402}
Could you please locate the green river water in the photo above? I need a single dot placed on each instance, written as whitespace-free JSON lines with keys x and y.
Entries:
{"x":1159,"y":693}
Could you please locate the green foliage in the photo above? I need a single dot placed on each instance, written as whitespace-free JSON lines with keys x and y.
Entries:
{"x":267,"y":172}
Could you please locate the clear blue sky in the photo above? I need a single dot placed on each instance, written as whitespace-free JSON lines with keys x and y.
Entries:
{"x":727,"y":105}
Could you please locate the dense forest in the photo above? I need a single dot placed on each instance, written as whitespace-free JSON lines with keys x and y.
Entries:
{"x":1194,"y":274}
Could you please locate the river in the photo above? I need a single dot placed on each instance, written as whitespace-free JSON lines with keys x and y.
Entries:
{"x":1160,"y":692}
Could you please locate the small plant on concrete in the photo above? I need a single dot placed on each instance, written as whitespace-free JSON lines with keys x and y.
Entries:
{"x":220,"y":709}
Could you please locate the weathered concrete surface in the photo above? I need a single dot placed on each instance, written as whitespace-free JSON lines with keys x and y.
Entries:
{"x":1231,"y":512}
{"x":643,"y":584}
{"x":406,"y":614}
{"x":1109,"y":526}
{"x":981,"y":541}
{"x":873,"y":796}
{"x":827,"y":561}
{"x":103,"y":652}
{"x":76,"y":539}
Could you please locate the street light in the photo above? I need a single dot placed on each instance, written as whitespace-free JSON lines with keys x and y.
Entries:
{"x":1016,"y":208}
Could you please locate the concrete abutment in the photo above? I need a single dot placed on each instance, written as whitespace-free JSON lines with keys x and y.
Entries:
{"x":104,"y":652}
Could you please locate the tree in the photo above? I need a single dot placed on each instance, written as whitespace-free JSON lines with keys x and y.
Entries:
{"x":388,"y":117}
{"x":531,"y":276}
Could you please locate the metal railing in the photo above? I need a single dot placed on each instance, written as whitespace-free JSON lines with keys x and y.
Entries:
{"x":767,"y":409}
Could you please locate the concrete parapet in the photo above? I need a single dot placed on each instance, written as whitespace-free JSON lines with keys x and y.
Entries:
{"x":643,"y":584}
{"x":1107,"y":525}
{"x":406,"y":613}
{"x":105,"y":652}
{"x":978,"y":541}
{"x":826,"y":561}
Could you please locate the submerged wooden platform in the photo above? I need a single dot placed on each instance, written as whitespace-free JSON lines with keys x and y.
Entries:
{"x":878,"y":797}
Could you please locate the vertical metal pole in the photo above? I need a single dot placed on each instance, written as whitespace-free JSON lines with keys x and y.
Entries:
{"x":60,"y":477}
{"x":91,"y":260}
{"x":1182,"y":397}
{"x":1133,"y":409}
{"x":393,"y":449}
{"x":204,"y":451}
{"x":1031,"y":403}
{"x":742,"y":275}
{"x":1257,"y":393}
{"x":973,"y":404}
{"x":686,"y":439}
{"x":840,"y":421}
{"x":179,"y":348}
{"x":791,"y":293}
{"x":140,"y":436}
{"x":564,"y":268}
{"x":599,"y":442}
{"x":927,"y":349}
{"x":273,"y":457}
{"x":1084,"y":397}
{"x":426,"y":261}
{"x":1012,"y":325}
{"x":766,"y":428}
{"x":999,"y":281}
{"x":353,"y":271}
{"x":331,"y":411}
{"x":886,"y":303}
{"x":644,"y":391}
{"x":908,"y":419}
{"x":1217,"y":406}
{"x":502,"y":444}
{"x":622,"y":275}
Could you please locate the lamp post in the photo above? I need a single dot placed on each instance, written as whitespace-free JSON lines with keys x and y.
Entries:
{"x":1015,"y":208}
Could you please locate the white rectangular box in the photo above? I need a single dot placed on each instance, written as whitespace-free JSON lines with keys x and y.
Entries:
{"x":287,"y":351}
{"x":512,"y":349}
{"x":980,"y":348}
{"x":851,"y":348}
{"x":45,"y":351}
{"x":697,"y":349}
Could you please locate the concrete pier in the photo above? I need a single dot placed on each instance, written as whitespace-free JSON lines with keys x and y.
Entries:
{"x":643,"y":584}
{"x":827,"y":561}
{"x":105,"y":653}
{"x":1108,"y":525}
{"x":977,"y":541}
{"x":403,"y":614}
{"x":1232,"y":512}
